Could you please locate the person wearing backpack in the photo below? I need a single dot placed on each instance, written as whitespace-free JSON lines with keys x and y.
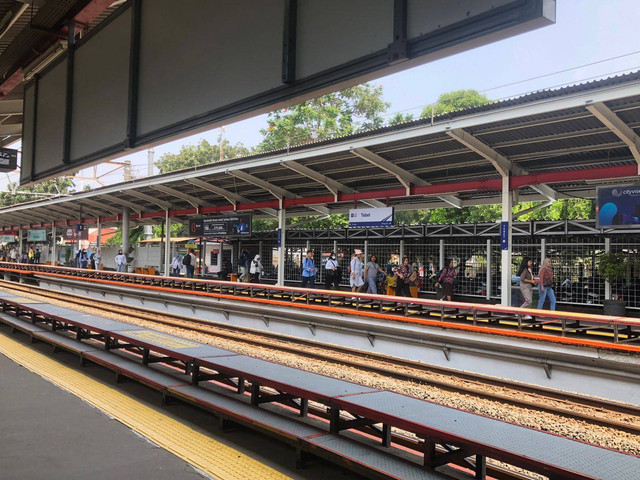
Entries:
{"x":189,"y":261}
{"x":243,"y":262}
{"x":176,"y":265}
{"x":256,"y":269}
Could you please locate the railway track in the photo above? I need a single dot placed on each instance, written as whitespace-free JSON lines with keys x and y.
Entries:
{"x":592,"y":410}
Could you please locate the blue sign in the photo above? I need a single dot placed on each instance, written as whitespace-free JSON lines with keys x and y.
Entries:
{"x":80,"y":227}
{"x":504,"y":235}
{"x":618,"y":206}
{"x":279,"y":237}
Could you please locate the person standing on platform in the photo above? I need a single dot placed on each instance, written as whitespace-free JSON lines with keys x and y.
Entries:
{"x":243,"y":263}
{"x":356,"y":278}
{"x":526,"y":283}
{"x":83,"y":259}
{"x":227,"y":269}
{"x":121,"y":261}
{"x":256,"y":269}
{"x":13,"y":254}
{"x":403,"y":282}
{"x":308,"y":271}
{"x":32,"y":255}
{"x":37,"y":255}
{"x":176,"y":265}
{"x":545,"y":287}
{"x":189,"y":261}
{"x":371,"y":271}
{"x":332,"y":276}
{"x":447,"y":278}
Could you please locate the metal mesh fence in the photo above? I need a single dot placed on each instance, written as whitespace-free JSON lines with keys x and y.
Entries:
{"x":629,"y":288}
{"x":576,"y":278}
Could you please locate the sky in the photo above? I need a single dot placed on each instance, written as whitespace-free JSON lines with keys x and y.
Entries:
{"x":586,"y":32}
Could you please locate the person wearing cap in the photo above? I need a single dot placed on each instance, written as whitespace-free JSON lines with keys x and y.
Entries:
{"x":356,"y":279}
{"x":256,"y":269}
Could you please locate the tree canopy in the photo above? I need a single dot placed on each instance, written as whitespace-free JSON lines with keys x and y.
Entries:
{"x":454,"y":101}
{"x":14,"y":193}
{"x":345,"y":112}
{"x":201,"y":154}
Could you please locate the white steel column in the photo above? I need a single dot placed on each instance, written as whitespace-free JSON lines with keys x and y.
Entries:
{"x":167,"y":244}
{"x":489,"y":262}
{"x":125,"y":231}
{"x":99,"y":242}
{"x":366,"y":251}
{"x":507,"y":216}
{"x":282,"y":221}
{"x":607,"y":285}
{"x":401,"y":252}
{"x":53,"y":255}
{"x":441,"y":255}
{"x":543,"y":250}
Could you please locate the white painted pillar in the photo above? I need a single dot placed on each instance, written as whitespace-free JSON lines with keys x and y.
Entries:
{"x":507,"y":216}
{"x":167,"y":244}
{"x":99,"y":241}
{"x":366,"y":251}
{"x":401,"y":252}
{"x":53,"y":244}
{"x":441,"y":255}
{"x":607,"y":285}
{"x":543,"y":250}
{"x":282,"y":221}
{"x":125,"y":231}
{"x":489,"y":265}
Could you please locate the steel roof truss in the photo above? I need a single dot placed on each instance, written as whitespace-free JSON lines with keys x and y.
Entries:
{"x":232,"y":198}
{"x":135,"y":207}
{"x":194,"y":201}
{"x":143,"y":196}
{"x":274,"y":190}
{"x":405,"y":177}
{"x":614,"y":123}
{"x":101,"y":207}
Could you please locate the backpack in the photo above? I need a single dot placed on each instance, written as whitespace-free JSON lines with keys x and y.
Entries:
{"x":186,"y":260}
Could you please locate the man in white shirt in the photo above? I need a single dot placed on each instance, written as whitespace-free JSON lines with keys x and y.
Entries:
{"x":331,"y":269}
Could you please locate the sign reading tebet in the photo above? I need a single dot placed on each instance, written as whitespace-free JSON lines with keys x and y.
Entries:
{"x":371,"y":217}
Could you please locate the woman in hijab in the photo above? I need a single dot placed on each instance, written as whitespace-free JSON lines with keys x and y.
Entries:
{"x":256,"y":269}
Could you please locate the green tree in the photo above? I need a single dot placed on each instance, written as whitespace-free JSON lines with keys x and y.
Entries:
{"x":15,"y":194}
{"x":400,"y":118}
{"x":201,"y":154}
{"x":454,"y":101}
{"x":352,"y":110}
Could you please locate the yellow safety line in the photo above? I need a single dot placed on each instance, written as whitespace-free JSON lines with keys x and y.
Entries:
{"x":210,"y":456}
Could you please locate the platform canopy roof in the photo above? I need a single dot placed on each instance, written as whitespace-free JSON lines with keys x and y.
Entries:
{"x":31,"y":37}
{"x":554,"y":144}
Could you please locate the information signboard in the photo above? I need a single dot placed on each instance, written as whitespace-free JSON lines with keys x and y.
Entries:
{"x":504,"y":235}
{"x":8,"y":159}
{"x":222,"y":225}
{"x":7,"y":238}
{"x":70,"y":233}
{"x":36,"y":236}
{"x":371,"y":217}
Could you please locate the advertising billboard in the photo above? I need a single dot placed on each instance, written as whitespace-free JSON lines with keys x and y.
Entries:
{"x":618,"y":206}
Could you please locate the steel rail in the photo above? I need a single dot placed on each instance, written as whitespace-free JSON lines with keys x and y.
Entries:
{"x":482,"y":387}
{"x":572,"y":328}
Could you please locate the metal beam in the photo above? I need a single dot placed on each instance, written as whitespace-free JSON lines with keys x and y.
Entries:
{"x":404,"y":177}
{"x":143,"y":196}
{"x":15,"y":129}
{"x":196,"y":202}
{"x":232,"y":198}
{"x":11,"y":107}
{"x":66,"y":211}
{"x":102,"y":207}
{"x":133,"y":206}
{"x":332,"y":185}
{"x":614,"y":123}
{"x":532,"y":209}
{"x":274,"y":190}
{"x":502,"y":164}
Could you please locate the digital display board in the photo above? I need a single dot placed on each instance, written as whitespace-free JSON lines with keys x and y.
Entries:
{"x":223,"y":225}
{"x":618,"y":206}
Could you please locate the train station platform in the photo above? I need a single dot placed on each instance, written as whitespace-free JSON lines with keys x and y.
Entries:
{"x":59,"y":422}
{"x":275,"y":399}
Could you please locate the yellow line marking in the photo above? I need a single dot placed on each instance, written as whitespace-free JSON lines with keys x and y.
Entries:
{"x":212,"y":457}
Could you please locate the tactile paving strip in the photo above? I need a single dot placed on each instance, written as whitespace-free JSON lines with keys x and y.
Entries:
{"x":212,"y":457}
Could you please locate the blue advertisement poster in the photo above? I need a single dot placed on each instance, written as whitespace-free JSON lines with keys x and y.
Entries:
{"x":618,"y":206}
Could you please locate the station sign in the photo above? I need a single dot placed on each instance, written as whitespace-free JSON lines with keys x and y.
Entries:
{"x":222,"y":225}
{"x":71,"y":233}
{"x":8,"y":159}
{"x":7,"y":238}
{"x":504,"y":235}
{"x":37,"y":236}
{"x":371,"y":217}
